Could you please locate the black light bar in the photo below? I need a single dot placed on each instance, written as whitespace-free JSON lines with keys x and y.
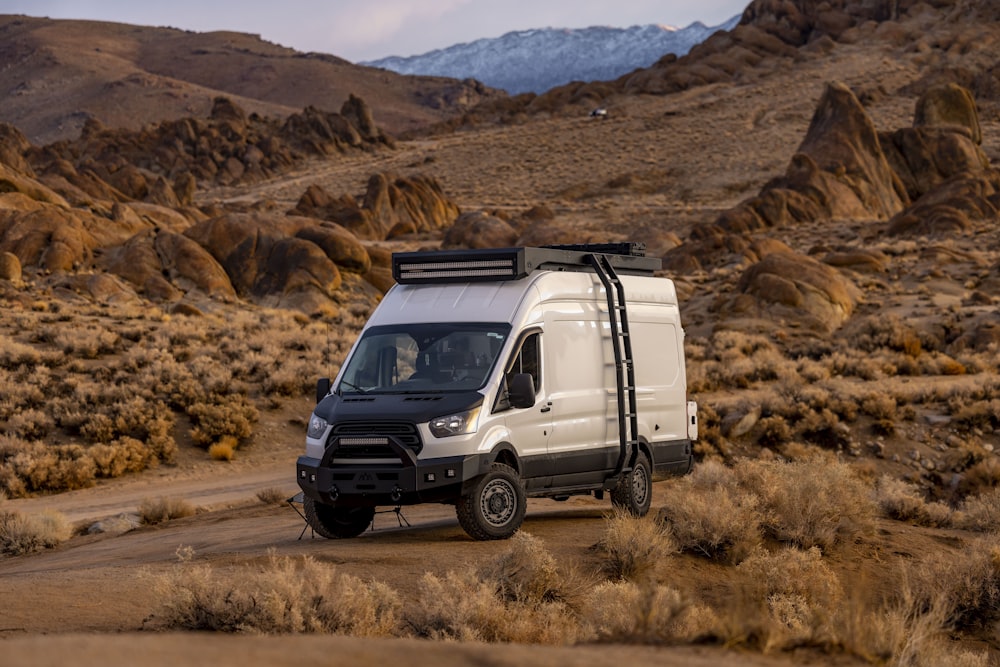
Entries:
{"x":498,"y":264}
{"x":459,"y":266}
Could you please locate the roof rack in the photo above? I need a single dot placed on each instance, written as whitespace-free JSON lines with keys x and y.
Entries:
{"x":499,"y":264}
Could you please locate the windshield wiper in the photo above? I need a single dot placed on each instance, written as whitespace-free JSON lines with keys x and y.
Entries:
{"x":353,"y":386}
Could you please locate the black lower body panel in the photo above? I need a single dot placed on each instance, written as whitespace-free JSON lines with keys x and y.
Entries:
{"x":671,"y":459}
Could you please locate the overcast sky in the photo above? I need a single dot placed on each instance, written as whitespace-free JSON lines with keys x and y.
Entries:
{"x":368,"y":29}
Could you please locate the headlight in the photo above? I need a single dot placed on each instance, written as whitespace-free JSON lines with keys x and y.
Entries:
{"x":457,"y":424}
{"x":317,"y":427}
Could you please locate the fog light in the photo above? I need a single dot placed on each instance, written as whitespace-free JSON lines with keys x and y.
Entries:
{"x":312,"y":478}
{"x":429,"y":477}
{"x":302,"y":474}
{"x":450,"y":472}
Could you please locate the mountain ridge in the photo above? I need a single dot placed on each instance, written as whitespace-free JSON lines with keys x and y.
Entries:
{"x":538,"y":59}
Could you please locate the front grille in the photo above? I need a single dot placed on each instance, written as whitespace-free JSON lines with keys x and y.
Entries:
{"x":365,"y":440}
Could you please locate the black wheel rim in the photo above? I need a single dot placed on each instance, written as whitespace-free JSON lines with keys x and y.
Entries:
{"x":640,"y":486}
{"x":498,"y":502}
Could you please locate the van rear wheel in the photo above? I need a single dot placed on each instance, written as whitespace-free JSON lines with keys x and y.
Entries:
{"x":337,"y":522}
{"x":634,"y":492}
{"x":495,"y":507}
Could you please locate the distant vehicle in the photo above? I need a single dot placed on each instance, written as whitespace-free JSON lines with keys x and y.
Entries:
{"x":599,"y":112}
{"x":488,"y":376}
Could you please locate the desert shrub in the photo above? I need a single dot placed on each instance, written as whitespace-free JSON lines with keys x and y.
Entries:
{"x":773,"y":431}
{"x":88,"y":342}
{"x":522,"y":585}
{"x":159,"y":510}
{"x":788,"y":598}
{"x":875,"y":333}
{"x":462,"y":606}
{"x":14,"y":355}
{"x":981,"y":476}
{"x":122,"y":456}
{"x":282,"y":596}
{"x":224,"y":449}
{"x":52,"y":468}
{"x":635,"y":548}
{"x":272,"y":495}
{"x":966,"y":585}
{"x":969,"y":415}
{"x":30,"y":424}
{"x":25,"y":533}
{"x":628,"y":612}
{"x":295,"y":377}
{"x":904,"y":502}
{"x":980,"y":512}
{"x":234,"y":417}
{"x":808,"y":503}
{"x":526,"y":572}
{"x":708,"y":513}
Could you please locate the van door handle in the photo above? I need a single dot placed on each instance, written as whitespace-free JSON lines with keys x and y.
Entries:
{"x":548,"y":406}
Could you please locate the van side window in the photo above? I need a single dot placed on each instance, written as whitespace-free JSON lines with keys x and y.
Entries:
{"x":528,"y":360}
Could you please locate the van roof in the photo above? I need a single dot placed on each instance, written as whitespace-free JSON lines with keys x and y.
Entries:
{"x":501,"y":264}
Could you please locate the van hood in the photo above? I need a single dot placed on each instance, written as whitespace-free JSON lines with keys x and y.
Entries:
{"x":416,"y":408}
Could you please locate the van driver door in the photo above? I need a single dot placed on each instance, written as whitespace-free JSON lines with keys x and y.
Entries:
{"x":530,"y":428}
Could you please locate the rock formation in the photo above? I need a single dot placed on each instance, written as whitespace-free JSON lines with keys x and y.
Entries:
{"x":392,"y":205}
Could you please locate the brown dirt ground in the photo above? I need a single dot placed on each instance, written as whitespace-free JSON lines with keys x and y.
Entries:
{"x":704,"y":150}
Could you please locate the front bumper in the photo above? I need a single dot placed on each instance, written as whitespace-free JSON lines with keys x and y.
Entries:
{"x":403,"y":481}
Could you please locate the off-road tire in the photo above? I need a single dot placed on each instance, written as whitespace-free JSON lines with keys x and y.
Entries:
{"x":634,"y":492}
{"x":494,"y":508}
{"x":337,"y":522}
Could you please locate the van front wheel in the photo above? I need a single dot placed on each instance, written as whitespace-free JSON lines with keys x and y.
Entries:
{"x":337,"y":522}
{"x":495,"y":507}
{"x":634,"y":492}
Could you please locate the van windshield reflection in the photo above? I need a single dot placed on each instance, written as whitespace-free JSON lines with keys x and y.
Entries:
{"x":423,"y":358}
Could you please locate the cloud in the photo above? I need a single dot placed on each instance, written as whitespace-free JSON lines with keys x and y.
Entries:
{"x":375,"y":24}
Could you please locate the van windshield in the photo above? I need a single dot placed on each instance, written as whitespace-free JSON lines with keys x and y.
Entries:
{"x":420,"y":358}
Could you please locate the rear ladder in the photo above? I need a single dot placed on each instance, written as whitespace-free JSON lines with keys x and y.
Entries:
{"x":628,"y":418}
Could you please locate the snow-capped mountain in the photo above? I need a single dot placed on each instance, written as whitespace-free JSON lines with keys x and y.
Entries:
{"x":537,"y":60}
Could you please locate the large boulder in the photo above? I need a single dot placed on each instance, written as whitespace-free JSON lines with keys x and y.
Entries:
{"x":953,"y":207}
{"x":13,"y":146}
{"x":266,"y":261}
{"x":838,"y":172}
{"x":943,"y":142}
{"x":479,"y":229}
{"x":790,"y":287}
{"x":165,"y":265}
{"x":416,"y":203}
{"x":55,"y":238}
{"x":949,"y":106}
{"x":10,"y":267}
{"x":843,"y":141}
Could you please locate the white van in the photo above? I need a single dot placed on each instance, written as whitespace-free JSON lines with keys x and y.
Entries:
{"x":488,"y":376}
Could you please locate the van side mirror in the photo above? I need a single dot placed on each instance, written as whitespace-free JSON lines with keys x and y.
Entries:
{"x":521,"y":393}
{"x":322,"y":388}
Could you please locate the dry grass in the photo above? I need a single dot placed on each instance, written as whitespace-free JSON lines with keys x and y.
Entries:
{"x":102,"y":398}
{"x":636,"y":548}
{"x":649,"y":613}
{"x":272,"y":495}
{"x":282,"y":596}
{"x":788,"y":598}
{"x":522,"y":585}
{"x":724,"y":513}
{"x":905,"y":502}
{"x":708,"y":513}
{"x":27,"y":533}
{"x":153,"y":511}
{"x":980,"y":513}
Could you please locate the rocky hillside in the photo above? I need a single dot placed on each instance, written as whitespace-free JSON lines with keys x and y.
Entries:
{"x":58,"y":74}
